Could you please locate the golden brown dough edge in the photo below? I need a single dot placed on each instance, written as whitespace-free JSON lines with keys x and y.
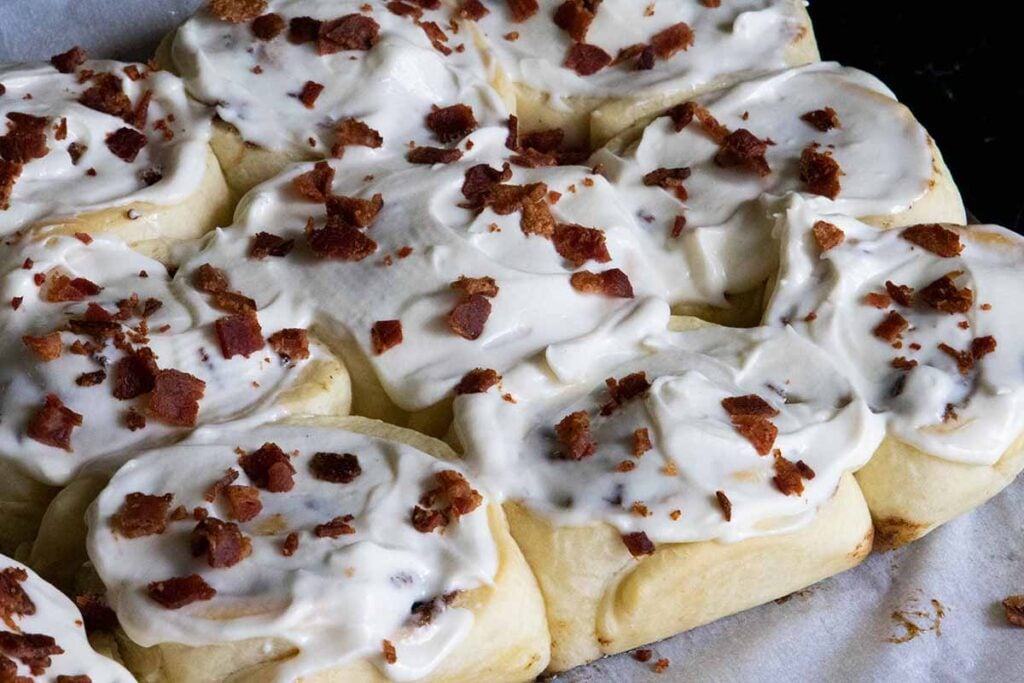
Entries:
{"x":602,"y":601}
{"x":509,"y":641}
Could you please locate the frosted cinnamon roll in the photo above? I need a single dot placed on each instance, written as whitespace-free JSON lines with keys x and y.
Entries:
{"x":307,"y":79}
{"x":329,"y":550}
{"x":105,"y":354}
{"x":700,"y":471}
{"x":595,"y":67}
{"x":42,"y":634}
{"x":94,"y":146}
{"x":924,"y":321}
{"x":708,"y":171}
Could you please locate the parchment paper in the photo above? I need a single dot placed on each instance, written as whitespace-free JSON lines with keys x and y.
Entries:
{"x":844,"y":629}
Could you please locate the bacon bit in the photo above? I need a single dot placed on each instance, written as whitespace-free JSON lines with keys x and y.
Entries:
{"x":25,"y":140}
{"x":266,"y":244}
{"x":9,"y":174}
{"x":239,"y":334}
{"x":758,"y":430}
{"x":268,"y":468}
{"x":222,"y":542}
{"x":725,"y":504}
{"x":643,"y":655}
{"x":586,"y":59}
{"x":537,"y":218}
{"x":433,"y":155}
{"x":90,"y":379}
{"x":141,"y":515}
{"x":385,"y":335}
{"x":141,"y":112}
{"x":673,"y":39}
{"x":61,"y":131}
{"x":484,"y":286}
{"x":134,"y":420}
{"x":67,"y":62}
{"x":243,"y":502}
{"x":178,"y":592}
{"x":135,"y":374}
{"x":290,"y":545}
{"x":337,"y":468}
{"x":891,"y":328}
{"x":982,"y":346}
{"x":401,"y":9}
{"x":660,"y":666}
{"x":337,"y":527}
{"x":469,"y":316}
{"x":711,"y":4}
{"x":388,"y":649}
{"x":350,"y":32}
{"x":902,"y":363}
{"x":268,"y":26}
{"x":75,"y":151}
{"x":901,"y":294}
{"x":641,"y":442}
{"x":578,"y":244}
{"x":46,"y":348}
{"x":639,"y":509}
{"x":310,"y":92}
{"x":573,"y":432}
{"x":53,"y":423}
{"x":964,"y":359}
{"x":477,"y":381}
{"x":624,"y":389}
{"x":789,"y":476}
{"x":457,"y":496}
{"x":935,"y":238}
{"x":355,"y":210}
{"x":210,"y":279}
{"x":681,"y":115}
{"x":625,"y":466}
{"x":473,"y":10}
{"x":478,"y":182}
{"x":613,"y":283}
{"x":823,"y":119}
{"x":877,"y":299}
{"x":573,"y":17}
{"x":404,"y":252}
{"x":106,"y":95}
{"x":233,"y":302}
{"x":452,"y":123}
{"x":291,"y":344}
{"x":175,"y":398}
{"x":828,"y":235}
{"x":237,"y":11}
{"x":667,"y":178}
{"x":638,"y":544}
{"x":34,"y":650}
{"x":742,"y":149}
{"x":353,"y":132}
{"x":522,"y":10}
{"x":944,"y":296}
{"x":437,"y":37}
{"x":1014,"y":608}
{"x":214,"y":490}
{"x":512,"y":139}
{"x":820,"y":172}
{"x":425,"y":521}
{"x":126,"y":143}
{"x":338,"y":240}
{"x":751,"y":404}
{"x":303,"y":30}
{"x":16,"y":302}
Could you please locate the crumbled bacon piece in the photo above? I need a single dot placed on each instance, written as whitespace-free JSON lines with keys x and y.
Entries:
{"x":624,"y":389}
{"x":641,"y":441}
{"x":90,"y":379}
{"x":751,"y":404}
{"x":789,"y":477}
{"x":290,"y":545}
{"x":578,"y":244}
{"x":425,"y":521}
{"x":337,"y":527}
{"x":452,"y":123}
{"x":338,"y":240}
{"x":1014,"y":608}
{"x":935,"y":238}
{"x":355,"y":210}
{"x":106,"y":95}
{"x":742,"y":149}
{"x":350,"y":32}
{"x":543,"y":140}
{"x":903,"y":363}
{"x":477,"y":381}
{"x":210,"y":279}
{"x":643,"y":655}
{"x":310,"y":92}
{"x":178,"y":592}
{"x":901,"y":294}
{"x":478,"y":182}
{"x":76,"y":150}
{"x":820,"y":172}
{"x":134,"y":374}
{"x":268,"y":26}
{"x":660,"y":666}
{"x":269,"y":468}
{"x":126,"y":143}
{"x":458,"y":496}
{"x":401,"y":9}
{"x":291,"y":343}
{"x":828,"y":235}
{"x":964,"y":359}
{"x":239,"y":334}
{"x":823,"y":119}
{"x":613,"y":283}
{"x":221,"y":542}
{"x":141,"y":515}
{"x":433,"y":155}
{"x":437,"y":36}
{"x":303,"y":30}
{"x":388,"y":650}
{"x":34,"y":650}
{"x":337,"y":468}
{"x":522,"y":10}
{"x":891,"y":328}
{"x":574,"y":17}
{"x":668,"y":42}
{"x":667,"y":178}
{"x":638,"y":544}
{"x":67,"y":62}
{"x":469,"y":316}
{"x":315,"y":185}
{"x":46,"y":348}
{"x":573,"y":432}
{"x":134,"y":420}
{"x":237,"y":11}
{"x":877,"y":300}
{"x":485,"y":286}
{"x":53,"y":423}
{"x":724,"y":504}
{"x":385,"y":335}
{"x":354,"y":133}
{"x":681,"y":115}
{"x":175,"y":398}
{"x":982,"y":346}
{"x":473,"y":10}
{"x":9,"y":174}
{"x":14,"y":602}
{"x":266,"y":244}
{"x":25,"y":139}
{"x":214,"y":490}
{"x":944,"y":296}
{"x":233,"y":302}
{"x":140,"y":114}
{"x":758,"y":430}
{"x":586,"y":59}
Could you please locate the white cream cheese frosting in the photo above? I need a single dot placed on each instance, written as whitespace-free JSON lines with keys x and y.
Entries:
{"x":422,"y":213}
{"x":180,"y":332}
{"x":668,"y":489}
{"x":968,"y":409}
{"x":883,"y":153}
{"x":391,"y":87}
{"x":37,"y":613}
{"x":80,"y":173}
{"x":741,"y":36}
{"x":335,"y":599}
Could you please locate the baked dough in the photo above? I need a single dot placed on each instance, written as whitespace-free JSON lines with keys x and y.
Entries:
{"x":508,"y":640}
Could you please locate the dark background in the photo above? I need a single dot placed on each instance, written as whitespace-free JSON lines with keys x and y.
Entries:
{"x":958,"y":66}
